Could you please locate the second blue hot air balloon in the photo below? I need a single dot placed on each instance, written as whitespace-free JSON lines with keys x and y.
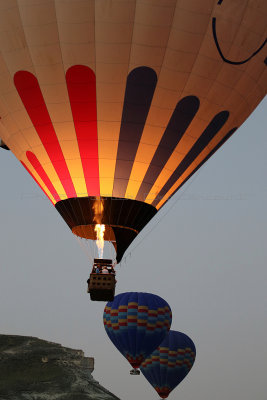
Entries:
{"x":169,"y":364}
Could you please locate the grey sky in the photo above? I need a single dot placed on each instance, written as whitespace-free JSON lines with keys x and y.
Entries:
{"x":212,"y":271}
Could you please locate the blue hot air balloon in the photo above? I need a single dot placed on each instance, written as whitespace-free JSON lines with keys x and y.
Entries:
{"x":169,"y":364}
{"x":136,"y":323}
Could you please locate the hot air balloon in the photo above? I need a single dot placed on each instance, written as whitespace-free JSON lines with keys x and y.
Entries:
{"x":111,"y":106}
{"x":136,"y":323}
{"x":169,"y":364}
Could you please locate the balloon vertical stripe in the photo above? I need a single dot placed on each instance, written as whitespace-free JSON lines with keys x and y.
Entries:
{"x":81,"y":86}
{"x":32,"y":98}
{"x":33,"y":177}
{"x":41,"y":172}
{"x":225,"y":138}
{"x":212,"y":129}
{"x":140,"y":87}
{"x":181,"y":118}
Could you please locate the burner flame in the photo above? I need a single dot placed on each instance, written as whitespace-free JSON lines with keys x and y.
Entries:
{"x":100,"y":230}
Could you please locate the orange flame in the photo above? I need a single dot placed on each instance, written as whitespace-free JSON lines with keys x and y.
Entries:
{"x":98,"y":208}
{"x":100,"y":229}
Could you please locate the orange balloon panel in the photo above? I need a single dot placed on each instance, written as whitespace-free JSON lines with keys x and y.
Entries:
{"x":106,"y":101}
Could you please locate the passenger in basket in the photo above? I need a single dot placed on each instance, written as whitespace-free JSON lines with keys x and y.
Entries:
{"x":110,"y":269}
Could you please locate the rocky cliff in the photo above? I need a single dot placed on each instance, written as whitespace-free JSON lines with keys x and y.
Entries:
{"x":34,"y":369}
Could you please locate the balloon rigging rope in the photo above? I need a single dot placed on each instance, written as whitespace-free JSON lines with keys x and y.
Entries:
{"x":85,"y":247}
{"x":163,"y":216}
{"x":80,"y":240}
{"x":110,"y":229}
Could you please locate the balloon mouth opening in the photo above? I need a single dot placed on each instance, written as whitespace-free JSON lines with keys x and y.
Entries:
{"x":135,"y":365}
{"x":163,"y":393}
{"x":135,"y":362}
{"x":123,"y":218}
{"x":89,"y":232}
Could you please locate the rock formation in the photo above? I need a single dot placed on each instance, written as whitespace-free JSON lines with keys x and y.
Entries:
{"x":34,"y":369}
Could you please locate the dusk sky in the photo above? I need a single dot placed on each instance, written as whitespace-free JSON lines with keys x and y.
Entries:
{"x":205,"y":253}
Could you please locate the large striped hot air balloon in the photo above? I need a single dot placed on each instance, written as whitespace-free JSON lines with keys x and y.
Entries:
{"x":112,"y":105}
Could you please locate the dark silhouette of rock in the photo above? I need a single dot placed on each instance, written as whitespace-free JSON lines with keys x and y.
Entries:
{"x":34,"y":369}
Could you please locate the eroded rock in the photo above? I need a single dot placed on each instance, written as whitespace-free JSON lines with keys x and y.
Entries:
{"x":34,"y":369}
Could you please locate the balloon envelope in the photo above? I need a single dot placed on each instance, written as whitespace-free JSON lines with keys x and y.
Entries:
{"x":169,"y":364}
{"x":136,"y":323}
{"x":112,"y":105}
